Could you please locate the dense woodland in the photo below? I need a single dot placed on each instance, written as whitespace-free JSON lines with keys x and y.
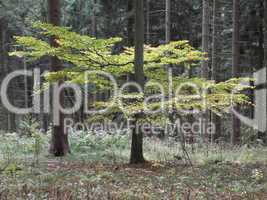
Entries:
{"x":208,"y":46}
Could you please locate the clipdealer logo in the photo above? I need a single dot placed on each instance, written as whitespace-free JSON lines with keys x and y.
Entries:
{"x":259,"y":120}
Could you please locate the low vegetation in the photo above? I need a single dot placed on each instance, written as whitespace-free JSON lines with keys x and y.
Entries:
{"x":97,"y":169}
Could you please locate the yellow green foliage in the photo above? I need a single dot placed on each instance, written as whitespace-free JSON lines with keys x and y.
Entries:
{"x":86,"y":54}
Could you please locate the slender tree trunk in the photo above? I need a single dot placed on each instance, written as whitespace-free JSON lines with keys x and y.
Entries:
{"x":265,"y":33}
{"x":59,"y":143}
{"x":168,"y":22}
{"x":4,"y":123}
{"x":11,"y":118}
{"x":265,"y":48}
{"x":260,"y":52}
{"x":235,"y":137}
{"x":137,"y":135}
{"x":261,"y":36}
{"x":205,"y":64}
{"x":148,"y":21}
{"x":130,"y":23}
{"x":205,"y":38}
{"x":43,"y":116}
{"x":216,"y":40}
{"x":94,"y":23}
{"x":190,"y":24}
{"x":167,"y":41}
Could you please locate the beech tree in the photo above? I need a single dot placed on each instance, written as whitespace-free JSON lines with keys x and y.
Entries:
{"x":86,"y":54}
{"x":59,"y":143}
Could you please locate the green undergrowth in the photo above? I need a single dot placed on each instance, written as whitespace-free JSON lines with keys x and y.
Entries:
{"x":97,"y":169}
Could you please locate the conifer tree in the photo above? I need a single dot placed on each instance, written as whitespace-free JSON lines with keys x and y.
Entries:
{"x":235,"y":137}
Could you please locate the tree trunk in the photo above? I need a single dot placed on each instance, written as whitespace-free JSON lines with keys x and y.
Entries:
{"x":130,"y":23}
{"x":265,"y":48}
{"x":265,"y":33}
{"x":216,"y":40}
{"x":235,"y":137}
{"x":94,"y":23}
{"x":10,"y":121}
{"x":168,"y":22}
{"x":59,"y":143}
{"x":205,"y":38}
{"x":147,"y":21}
{"x":205,"y":64}
{"x":43,"y":116}
{"x":260,"y":52}
{"x":137,"y":136}
{"x":190,"y":24}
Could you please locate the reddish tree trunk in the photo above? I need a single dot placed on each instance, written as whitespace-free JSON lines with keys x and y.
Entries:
{"x":59,"y":144}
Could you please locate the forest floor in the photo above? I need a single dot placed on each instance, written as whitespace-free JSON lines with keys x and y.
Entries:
{"x":89,"y":174}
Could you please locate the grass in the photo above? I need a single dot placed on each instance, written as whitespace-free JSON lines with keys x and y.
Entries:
{"x":98,"y":169}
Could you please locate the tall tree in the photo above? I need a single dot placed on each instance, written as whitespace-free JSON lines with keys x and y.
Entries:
{"x":137,"y":135}
{"x":216,"y":41}
{"x":59,"y":143}
{"x":265,"y":48}
{"x":235,"y":137}
{"x":130,"y":23}
{"x":265,"y":33}
{"x":93,"y":18}
{"x":260,"y":48}
{"x":43,"y":117}
{"x":205,"y":37}
{"x":147,"y":21}
{"x":168,"y":22}
{"x":205,"y":63}
{"x":5,"y":69}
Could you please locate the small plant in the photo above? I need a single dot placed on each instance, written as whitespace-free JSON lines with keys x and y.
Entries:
{"x":12,"y":169}
{"x":257,"y":175}
{"x":28,"y":125}
{"x":38,"y":145}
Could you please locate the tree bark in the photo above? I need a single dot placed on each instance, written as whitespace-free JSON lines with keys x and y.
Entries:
{"x":43,"y":116}
{"x":59,"y":144}
{"x":235,"y":137}
{"x":137,"y":136}
{"x":130,"y":23}
{"x":94,"y":23}
{"x":148,"y":21}
{"x":205,"y":38}
{"x":265,"y":33}
{"x":205,"y":63}
{"x":216,"y":40}
{"x":265,"y":49}
{"x":260,"y":52}
{"x":168,"y":22}
{"x":10,"y":121}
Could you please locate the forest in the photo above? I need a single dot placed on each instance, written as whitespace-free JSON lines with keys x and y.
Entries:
{"x":133,"y":99}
